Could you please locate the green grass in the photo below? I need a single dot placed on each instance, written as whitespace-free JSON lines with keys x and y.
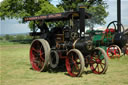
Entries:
{"x":15,"y":70}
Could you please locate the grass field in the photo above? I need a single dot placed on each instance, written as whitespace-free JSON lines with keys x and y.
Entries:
{"x":15,"y":70}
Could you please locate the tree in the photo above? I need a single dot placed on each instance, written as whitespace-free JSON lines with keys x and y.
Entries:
{"x":1,"y":38}
{"x":20,"y":37}
{"x":95,"y":7}
{"x":7,"y":37}
{"x":21,"y":8}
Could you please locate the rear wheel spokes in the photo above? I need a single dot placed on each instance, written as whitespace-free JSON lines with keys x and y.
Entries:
{"x":38,"y":58}
{"x":42,"y":54}
{"x":35,"y":50}
{"x":37,"y":54}
{"x":38,"y":64}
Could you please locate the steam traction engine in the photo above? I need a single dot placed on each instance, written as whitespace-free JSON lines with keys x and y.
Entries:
{"x":119,"y":39}
{"x":118,"y":36}
{"x":110,"y":39}
{"x":113,"y":37}
{"x":69,"y":43}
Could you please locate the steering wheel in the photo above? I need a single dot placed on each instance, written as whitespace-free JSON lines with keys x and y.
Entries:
{"x":113,"y":24}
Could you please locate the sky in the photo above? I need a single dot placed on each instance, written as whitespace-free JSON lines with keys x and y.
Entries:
{"x":12,"y":26}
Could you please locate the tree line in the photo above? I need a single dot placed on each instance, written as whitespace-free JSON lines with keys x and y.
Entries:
{"x":15,"y":37}
{"x":21,"y":8}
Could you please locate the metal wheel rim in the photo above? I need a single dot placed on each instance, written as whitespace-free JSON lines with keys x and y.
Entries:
{"x":72,"y":65}
{"x":37,"y":56}
{"x":113,"y":53}
{"x":98,"y":63}
{"x":75,"y":63}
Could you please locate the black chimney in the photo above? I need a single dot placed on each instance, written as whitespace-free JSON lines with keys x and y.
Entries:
{"x":82,"y":19}
{"x":119,"y":15}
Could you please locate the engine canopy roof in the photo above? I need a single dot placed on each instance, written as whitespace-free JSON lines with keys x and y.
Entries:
{"x":56,"y":16}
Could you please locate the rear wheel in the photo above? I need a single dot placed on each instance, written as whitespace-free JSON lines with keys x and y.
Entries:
{"x":39,"y":54}
{"x":75,"y":63}
{"x":113,"y":51}
{"x":98,"y":61}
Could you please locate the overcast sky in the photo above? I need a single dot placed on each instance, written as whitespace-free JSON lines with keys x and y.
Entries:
{"x":1,"y":0}
{"x":12,"y":26}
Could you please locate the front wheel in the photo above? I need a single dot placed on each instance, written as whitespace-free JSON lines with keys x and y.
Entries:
{"x":113,"y":51}
{"x":75,"y":63}
{"x":98,"y":61}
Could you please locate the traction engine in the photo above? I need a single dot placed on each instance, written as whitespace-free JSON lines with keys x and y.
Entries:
{"x":68,"y":45}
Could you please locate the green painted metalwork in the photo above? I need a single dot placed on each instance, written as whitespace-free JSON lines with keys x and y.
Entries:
{"x":101,"y":38}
